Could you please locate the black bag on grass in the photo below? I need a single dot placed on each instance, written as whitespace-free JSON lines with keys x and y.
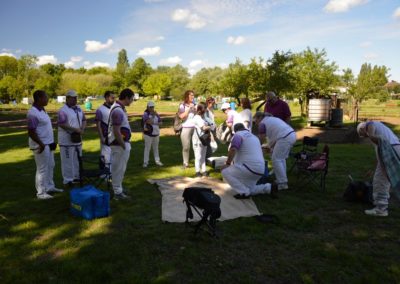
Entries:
{"x":359,"y":191}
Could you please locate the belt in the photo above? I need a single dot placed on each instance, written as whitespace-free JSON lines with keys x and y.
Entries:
{"x":250,"y":170}
{"x":286,"y":135}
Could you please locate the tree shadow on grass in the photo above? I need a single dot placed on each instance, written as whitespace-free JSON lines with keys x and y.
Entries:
{"x":320,"y":237}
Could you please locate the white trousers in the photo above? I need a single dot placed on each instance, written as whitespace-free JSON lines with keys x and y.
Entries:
{"x":243,"y":181}
{"x":279,"y":155}
{"x":149,"y":143}
{"x":69,"y":162}
{"x":105,"y":151}
{"x":200,"y":153}
{"x":381,"y":184}
{"x":44,"y":170}
{"x":119,"y":160}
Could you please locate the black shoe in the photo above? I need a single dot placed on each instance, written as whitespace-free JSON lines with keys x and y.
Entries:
{"x":274,"y":190}
{"x":241,"y":196}
{"x":198,"y":174}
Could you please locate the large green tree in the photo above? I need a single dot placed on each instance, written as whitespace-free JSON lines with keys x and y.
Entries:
{"x":157,"y":84}
{"x":8,"y":66}
{"x":236,"y":82}
{"x":312,"y":71}
{"x":207,"y":81}
{"x":138,"y":73}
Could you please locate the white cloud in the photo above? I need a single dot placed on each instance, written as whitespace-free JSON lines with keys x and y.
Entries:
{"x":338,"y":6}
{"x":180,"y":15}
{"x":7,"y":54}
{"x":73,"y":60}
{"x":44,"y":59}
{"x":69,"y":64}
{"x":5,"y":50}
{"x":193,"y":20}
{"x":195,"y":63}
{"x":170,"y":60}
{"x":370,"y":56}
{"x":95,"y":46}
{"x":18,"y":51}
{"x":76,"y":58}
{"x":223,"y":65}
{"x":149,"y":51}
{"x":235,"y":40}
{"x":160,"y":38}
{"x":396,"y":13}
{"x":365,"y":44}
{"x":89,"y":65}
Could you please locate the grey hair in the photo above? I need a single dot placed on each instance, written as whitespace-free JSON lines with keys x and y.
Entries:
{"x":270,"y":93}
{"x":259,"y":115}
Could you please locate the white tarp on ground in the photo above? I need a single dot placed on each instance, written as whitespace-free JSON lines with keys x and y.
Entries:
{"x":174,"y":210}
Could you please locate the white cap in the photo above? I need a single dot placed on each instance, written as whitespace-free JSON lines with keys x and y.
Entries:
{"x":71,"y":93}
{"x":225,"y":106}
{"x":150,"y":104}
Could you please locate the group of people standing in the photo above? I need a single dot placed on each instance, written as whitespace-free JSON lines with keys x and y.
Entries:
{"x":114,"y":131}
{"x":245,"y":163}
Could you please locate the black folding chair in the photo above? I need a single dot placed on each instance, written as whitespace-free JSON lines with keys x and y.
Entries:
{"x":93,"y":170}
{"x":312,"y":170}
{"x":309,"y":147}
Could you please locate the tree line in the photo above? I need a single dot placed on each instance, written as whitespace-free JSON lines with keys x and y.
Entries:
{"x":293,"y":75}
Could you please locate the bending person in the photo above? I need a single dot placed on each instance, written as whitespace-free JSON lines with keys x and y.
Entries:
{"x":281,"y":138}
{"x":376,"y":130}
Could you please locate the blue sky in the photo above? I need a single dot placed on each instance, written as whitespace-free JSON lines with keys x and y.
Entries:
{"x":201,"y":33}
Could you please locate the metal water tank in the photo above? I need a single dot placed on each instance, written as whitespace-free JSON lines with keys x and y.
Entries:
{"x":319,"y":110}
{"x":336,"y":117}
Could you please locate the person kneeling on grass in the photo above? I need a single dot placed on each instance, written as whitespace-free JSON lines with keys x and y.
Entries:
{"x":387,"y":172}
{"x":245,"y":165}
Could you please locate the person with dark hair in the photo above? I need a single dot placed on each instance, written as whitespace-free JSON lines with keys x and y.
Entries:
{"x":151,"y":134}
{"x":245,"y":165}
{"x":71,"y":126}
{"x":41,"y":142}
{"x":387,"y":151}
{"x":201,"y":126}
{"x":119,"y":135}
{"x":245,"y":116}
{"x":281,"y":138}
{"x":186,"y":112}
{"x":102,"y":119}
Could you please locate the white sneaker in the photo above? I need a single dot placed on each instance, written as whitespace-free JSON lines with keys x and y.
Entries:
{"x":44,"y":196}
{"x":145,"y":165}
{"x":55,"y":189}
{"x":159,"y":164}
{"x":283,"y":186}
{"x":377,"y":212}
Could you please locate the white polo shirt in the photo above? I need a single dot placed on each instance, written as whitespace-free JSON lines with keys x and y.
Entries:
{"x":72,"y":116}
{"x":378,"y":129}
{"x":39,"y":120}
{"x":248,"y":151}
{"x":274,"y":128}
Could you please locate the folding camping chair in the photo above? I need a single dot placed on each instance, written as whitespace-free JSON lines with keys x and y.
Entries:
{"x":93,"y":170}
{"x":206,"y":204}
{"x":309,"y":147}
{"x":312,"y":169}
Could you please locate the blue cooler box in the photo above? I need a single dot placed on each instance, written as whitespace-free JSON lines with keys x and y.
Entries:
{"x":89,"y":202}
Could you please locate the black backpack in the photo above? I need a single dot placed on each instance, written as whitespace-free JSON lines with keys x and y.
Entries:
{"x":359,"y":191}
{"x":205,"y":199}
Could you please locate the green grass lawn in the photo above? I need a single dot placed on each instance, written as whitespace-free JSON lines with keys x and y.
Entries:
{"x":320,"y":238}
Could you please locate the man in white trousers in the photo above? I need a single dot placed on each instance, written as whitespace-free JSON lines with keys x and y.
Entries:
{"x":119,"y":135}
{"x":281,"y":138}
{"x":71,"y":126}
{"x":380,"y":183}
{"x":102,"y":120}
{"x":245,"y":165}
{"x":41,"y":142}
